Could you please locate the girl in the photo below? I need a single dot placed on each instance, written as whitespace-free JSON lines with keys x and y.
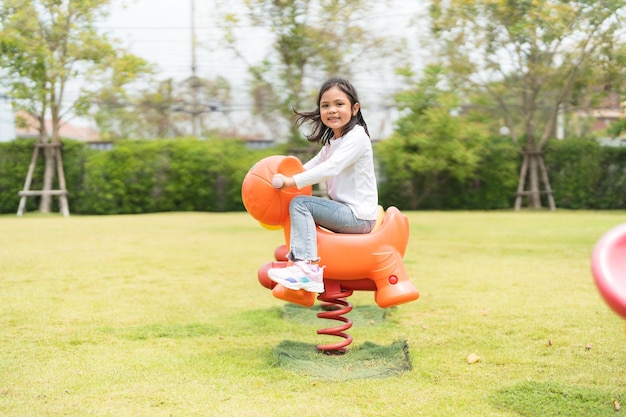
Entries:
{"x":346,"y":163}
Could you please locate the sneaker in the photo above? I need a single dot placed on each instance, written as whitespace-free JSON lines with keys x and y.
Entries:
{"x":299,"y":276}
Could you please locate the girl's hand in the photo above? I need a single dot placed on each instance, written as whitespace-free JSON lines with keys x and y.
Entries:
{"x":280,"y":181}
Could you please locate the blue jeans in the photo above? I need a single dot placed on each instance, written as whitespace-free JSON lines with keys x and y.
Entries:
{"x":307,"y":211}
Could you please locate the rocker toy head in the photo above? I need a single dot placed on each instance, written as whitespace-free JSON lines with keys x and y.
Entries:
{"x":264,"y":202}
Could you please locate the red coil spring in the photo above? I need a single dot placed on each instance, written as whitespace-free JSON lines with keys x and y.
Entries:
{"x":335,"y":306}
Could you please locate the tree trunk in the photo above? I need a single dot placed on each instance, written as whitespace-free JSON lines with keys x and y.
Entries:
{"x":534,"y":200}
{"x":45,"y":204}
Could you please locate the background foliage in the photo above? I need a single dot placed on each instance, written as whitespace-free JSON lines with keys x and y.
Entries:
{"x":205,"y":175}
{"x":138,"y":176}
{"x":587,"y":175}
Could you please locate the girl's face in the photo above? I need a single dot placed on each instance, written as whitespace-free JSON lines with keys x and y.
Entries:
{"x":336,"y":110}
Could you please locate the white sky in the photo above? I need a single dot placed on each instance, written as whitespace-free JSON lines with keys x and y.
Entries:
{"x":160,"y":32}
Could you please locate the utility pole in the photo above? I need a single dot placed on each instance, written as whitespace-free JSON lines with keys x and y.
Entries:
{"x":195,"y":111}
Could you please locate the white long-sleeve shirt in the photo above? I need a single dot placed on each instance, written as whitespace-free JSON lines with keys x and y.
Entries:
{"x":347,"y":166}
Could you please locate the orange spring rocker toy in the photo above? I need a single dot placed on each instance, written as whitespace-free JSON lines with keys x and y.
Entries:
{"x":354,"y":262}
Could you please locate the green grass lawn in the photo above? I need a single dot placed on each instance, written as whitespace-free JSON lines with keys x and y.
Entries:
{"x":162,"y":315}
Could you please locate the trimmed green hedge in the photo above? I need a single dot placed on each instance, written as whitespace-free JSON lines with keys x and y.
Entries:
{"x":166,"y":175}
{"x":14,"y":160}
{"x":585,"y":175}
{"x":206,"y":175}
{"x":582,"y":174}
{"x":575,"y":171}
{"x":610,"y":191}
{"x":137,"y":176}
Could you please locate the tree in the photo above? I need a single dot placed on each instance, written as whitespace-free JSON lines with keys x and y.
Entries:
{"x":431,"y":144}
{"x":162,"y":109}
{"x":201,"y":96}
{"x":535,"y":59}
{"x":312,"y":40}
{"x":144,"y":114}
{"x":45,"y":46}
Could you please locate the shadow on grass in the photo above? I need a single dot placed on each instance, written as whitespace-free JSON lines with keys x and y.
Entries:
{"x":366,"y":361}
{"x":550,"y":399}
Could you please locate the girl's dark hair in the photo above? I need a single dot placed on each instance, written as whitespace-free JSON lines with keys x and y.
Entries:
{"x":320,"y":131}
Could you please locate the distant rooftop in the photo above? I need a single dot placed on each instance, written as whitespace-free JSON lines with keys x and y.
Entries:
{"x":67,"y":130}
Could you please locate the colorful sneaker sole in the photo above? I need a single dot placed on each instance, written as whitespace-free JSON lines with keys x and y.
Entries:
{"x":297,"y":284}
{"x":311,"y":286}
{"x":291,"y":283}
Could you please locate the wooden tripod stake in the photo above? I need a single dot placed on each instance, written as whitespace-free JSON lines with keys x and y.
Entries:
{"x":532,"y":159}
{"x":61,"y":193}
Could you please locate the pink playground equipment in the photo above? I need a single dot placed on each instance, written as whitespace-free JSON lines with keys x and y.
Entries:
{"x":608,"y":265}
{"x":370,"y":262}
